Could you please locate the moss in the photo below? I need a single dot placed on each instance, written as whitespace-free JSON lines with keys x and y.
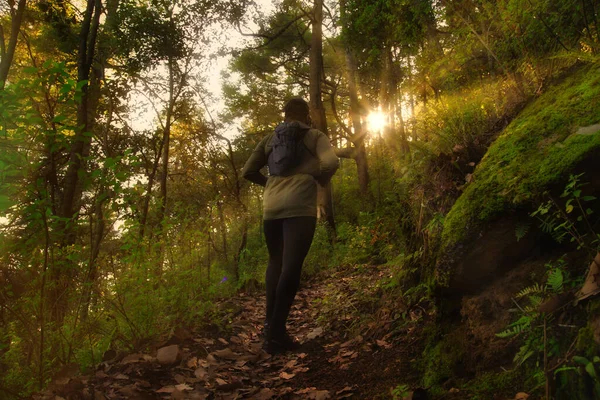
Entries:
{"x":491,"y":384}
{"x":441,"y":360}
{"x":538,"y":149}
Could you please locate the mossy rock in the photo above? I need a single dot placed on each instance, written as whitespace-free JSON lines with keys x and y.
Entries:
{"x":539,"y":149}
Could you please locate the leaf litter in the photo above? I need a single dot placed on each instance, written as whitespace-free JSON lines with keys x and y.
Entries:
{"x":198,"y":365}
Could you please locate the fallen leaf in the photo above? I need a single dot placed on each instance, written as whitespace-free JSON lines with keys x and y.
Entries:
{"x":314,"y":333}
{"x":183,"y":387}
{"x":291,"y":364}
{"x":101,"y":375}
{"x":384,"y":344}
{"x":454,"y":390}
{"x":200,"y":373}
{"x":521,"y":396}
{"x":121,"y":377}
{"x":211,"y":359}
{"x":180,"y":378}
{"x":285,"y":375}
{"x":226,"y":354}
{"x":132,"y":358}
{"x":264,"y":394}
{"x":166,"y":389}
{"x":192,"y":362}
{"x":225,"y":342}
{"x":168,"y":355}
{"x":344,"y":390}
{"x":220,"y":381}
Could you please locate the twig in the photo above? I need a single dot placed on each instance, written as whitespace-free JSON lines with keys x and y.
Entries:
{"x":546,"y":360}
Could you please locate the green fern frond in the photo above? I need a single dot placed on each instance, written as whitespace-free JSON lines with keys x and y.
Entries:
{"x":528,"y":291}
{"x":556,"y":280}
{"x":536,"y":300}
{"x":516,"y":327}
{"x":521,"y":229}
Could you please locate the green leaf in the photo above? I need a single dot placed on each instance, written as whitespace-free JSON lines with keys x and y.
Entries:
{"x":30,"y":70}
{"x":110,"y":162}
{"x":588,"y":198}
{"x":81,"y":84}
{"x":591,"y":370}
{"x":5,"y":203}
{"x":563,"y":369}
{"x":59,"y":118}
{"x":581,"y":360}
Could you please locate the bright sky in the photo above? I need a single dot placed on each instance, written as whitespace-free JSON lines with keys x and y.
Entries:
{"x":143,"y":115}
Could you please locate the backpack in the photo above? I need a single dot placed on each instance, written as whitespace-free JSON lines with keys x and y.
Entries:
{"x":287,"y":147}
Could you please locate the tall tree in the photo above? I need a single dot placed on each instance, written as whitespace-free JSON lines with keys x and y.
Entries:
{"x":7,"y":50}
{"x":317,"y":110}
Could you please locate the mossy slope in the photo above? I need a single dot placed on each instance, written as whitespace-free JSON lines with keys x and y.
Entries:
{"x":539,"y":148}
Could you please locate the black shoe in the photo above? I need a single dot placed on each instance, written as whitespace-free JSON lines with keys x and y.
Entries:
{"x":265,"y":331}
{"x":281,"y":344}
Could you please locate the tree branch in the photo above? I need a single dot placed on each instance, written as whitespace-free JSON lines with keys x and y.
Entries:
{"x":346,"y":152}
{"x":269,"y":38}
{"x":2,"y":44}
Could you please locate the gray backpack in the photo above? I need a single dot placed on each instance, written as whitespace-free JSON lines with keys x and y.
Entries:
{"x":287,"y":147}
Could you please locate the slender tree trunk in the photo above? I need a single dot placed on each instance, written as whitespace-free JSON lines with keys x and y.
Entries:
{"x":80,"y":146}
{"x":358,"y":139}
{"x":166,"y":139}
{"x":96,"y":236}
{"x":8,"y":52}
{"x":316,"y":105}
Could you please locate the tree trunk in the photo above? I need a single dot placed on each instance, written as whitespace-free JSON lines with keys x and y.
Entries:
{"x":8,"y":52}
{"x":80,"y":146}
{"x":358,"y":139}
{"x":166,"y":139}
{"x":316,"y":105}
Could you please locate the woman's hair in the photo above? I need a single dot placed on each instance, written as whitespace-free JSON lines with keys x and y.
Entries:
{"x":296,"y":109}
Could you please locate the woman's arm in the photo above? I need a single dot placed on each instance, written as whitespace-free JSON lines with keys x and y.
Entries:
{"x":328,"y":161}
{"x":257,"y":160}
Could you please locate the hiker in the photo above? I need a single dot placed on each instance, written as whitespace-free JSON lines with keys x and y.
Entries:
{"x":298,"y":157}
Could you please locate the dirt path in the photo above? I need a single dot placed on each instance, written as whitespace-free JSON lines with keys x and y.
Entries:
{"x":233,"y":366}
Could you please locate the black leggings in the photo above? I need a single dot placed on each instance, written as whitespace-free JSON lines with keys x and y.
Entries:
{"x":288,"y":242}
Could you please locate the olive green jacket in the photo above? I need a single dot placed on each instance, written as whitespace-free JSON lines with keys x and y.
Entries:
{"x":293,"y":195}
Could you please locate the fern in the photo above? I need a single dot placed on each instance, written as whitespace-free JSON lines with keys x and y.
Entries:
{"x":556,"y":280}
{"x":525,"y":352}
{"x":516,"y":327}
{"x":521,"y":229}
{"x":536,"y":288}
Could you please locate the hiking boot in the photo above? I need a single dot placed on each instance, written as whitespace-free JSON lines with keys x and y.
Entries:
{"x":281,"y":344}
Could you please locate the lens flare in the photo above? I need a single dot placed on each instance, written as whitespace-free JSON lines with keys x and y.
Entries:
{"x":376,"y":120}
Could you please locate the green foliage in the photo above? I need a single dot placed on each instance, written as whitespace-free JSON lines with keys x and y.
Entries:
{"x":536,"y":150}
{"x":573,"y":220}
{"x":400,"y":392}
{"x":536,"y":332}
{"x":366,"y":242}
{"x":319,"y":257}
{"x":462,"y":118}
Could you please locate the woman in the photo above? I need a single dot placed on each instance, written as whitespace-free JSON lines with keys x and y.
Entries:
{"x":297,"y":157}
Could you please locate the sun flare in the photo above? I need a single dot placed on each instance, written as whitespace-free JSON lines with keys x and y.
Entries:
{"x":376,"y":120}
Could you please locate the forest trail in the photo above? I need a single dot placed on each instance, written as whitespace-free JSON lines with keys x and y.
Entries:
{"x":230,"y":364}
